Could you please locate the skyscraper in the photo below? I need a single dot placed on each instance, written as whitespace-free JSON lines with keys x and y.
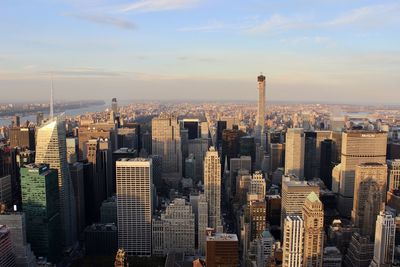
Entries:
{"x":293,"y":241}
{"x":261,"y":101}
{"x":313,"y":216}
{"x":212,"y":187}
{"x":114,"y":106}
{"x":294,"y":154}
{"x":357,"y":147}
{"x":394,"y":174}
{"x":134,"y":205}
{"x":166,"y":142}
{"x":51,"y":149}
{"x":40,"y":202}
{"x":384,"y":240}
{"x":222,"y":250}
{"x":369,"y":195}
{"x":294,"y":193}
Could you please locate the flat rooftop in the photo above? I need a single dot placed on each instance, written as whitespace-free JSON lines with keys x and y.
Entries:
{"x":222,"y":237}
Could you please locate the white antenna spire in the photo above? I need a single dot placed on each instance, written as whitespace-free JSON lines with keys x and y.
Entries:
{"x":51,"y":99}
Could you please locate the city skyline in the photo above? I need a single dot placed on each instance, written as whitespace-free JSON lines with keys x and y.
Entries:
{"x":157,"y":50}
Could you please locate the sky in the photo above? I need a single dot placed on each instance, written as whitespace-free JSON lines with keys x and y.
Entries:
{"x":310,"y":50}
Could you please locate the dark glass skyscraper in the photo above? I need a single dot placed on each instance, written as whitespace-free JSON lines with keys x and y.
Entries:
{"x":41,"y":204}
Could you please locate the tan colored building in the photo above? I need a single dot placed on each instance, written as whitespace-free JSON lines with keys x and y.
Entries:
{"x":358,"y":147}
{"x":222,"y":250}
{"x":369,"y":195}
{"x":294,"y":152}
{"x":394,"y":174}
{"x":313,"y":216}
{"x":294,"y":193}
{"x":212,"y":187}
{"x":166,"y":142}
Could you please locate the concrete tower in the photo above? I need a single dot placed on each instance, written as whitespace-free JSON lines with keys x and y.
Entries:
{"x":384,"y":240}
{"x":294,"y":155}
{"x":134,"y":205}
{"x":212,"y":184}
{"x":261,"y":102}
{"x":313,"y":216}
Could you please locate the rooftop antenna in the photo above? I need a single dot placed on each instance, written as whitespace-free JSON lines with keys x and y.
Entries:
{"x":51,"y":99}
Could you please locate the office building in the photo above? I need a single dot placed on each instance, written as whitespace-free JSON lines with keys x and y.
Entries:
{"x":212,"y":187}
{"x":15,"y":221}
{"x":23,"y":137}
{"x":258,"y":185}
{"x":276,"y":156}
{"x":326,"y":162}
{"x":41,"y":205}
{"x":369,"y":195}
{"x":78,"y":181}
{"x":293,"y":240}
{"x":257,"y":216}
{"x":134,"y":205}
{"x":384,"y":240}
{"x":265,"y":248}
{"x":247,"y":147}
{"x":221,"y":126}
{"x":6,"y":190}
{"x":7,"y":257}
{"x":199,"y":148}
{"x":101,"y":239}
{"x":273,"y":210}
{"x":51,"y":149}
{"x":222,"y":250}
{"x":394,"y":174}
{"x":358,"y":147}
{"x":108,"y":211}
{"x":360,"y":252}
{"x":332,"y":257}
{"x":294,"y":193}
{"x":72,"y":149}
{"x":294,"y":152}
{"x":166,"y":142}
{"x":313,"y":217}
{"x":193,"y":127}
{"x":174,"y":231}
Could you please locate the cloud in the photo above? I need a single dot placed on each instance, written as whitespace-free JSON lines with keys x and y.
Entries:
{"x":159,"y":5}
{"x":211,"y":26}
{"x":372,"y":15}
{"x":84,"y":71}
{"x":278,"y":23}
{"x":106,"y":20}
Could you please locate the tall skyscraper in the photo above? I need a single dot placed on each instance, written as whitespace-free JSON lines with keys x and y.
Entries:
{"x":384,"y":240}
{"x":166,"y":142}
{"x":212,"y":187}
{"x":369,"y":195}
{"x":114,"y":106}
{"x":294,"y":153}
{"x":202,"y":223}
{"x":357,"y":147}
{"x":41,"y":204}
{"x":293,"y":241}
{"x":294,"y":193}
{"x":134,"y":205}
{"x":394,"y":174}
{"x":261,"y":101}
{"x":51,"y":149}
{"x":313,"y":216}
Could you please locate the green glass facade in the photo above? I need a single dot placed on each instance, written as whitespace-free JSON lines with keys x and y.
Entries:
{"x":41,"y":204}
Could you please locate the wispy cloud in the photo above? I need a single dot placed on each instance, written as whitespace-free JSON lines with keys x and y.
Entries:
{"x":159,"y":5}
{"x":278,"y":23}
{"x":372,"y":15}
{"x":106,"y":20}
{"x":84,"y":71}
{"x":211,"y":26}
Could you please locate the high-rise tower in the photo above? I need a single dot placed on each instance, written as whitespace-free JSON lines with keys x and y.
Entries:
{"x":212,"y":190}
{"x":295,"y":149}
{"x":51,"y":149}
{"x":134,"y":205}
{"x":261,"y":101}
{"x":384,"y":240}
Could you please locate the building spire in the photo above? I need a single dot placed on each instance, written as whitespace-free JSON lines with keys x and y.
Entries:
{"x":51,"y":99}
